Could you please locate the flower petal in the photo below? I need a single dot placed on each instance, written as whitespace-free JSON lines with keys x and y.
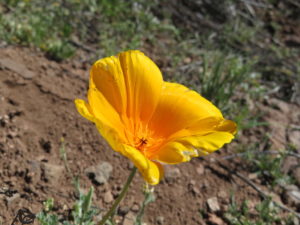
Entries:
{"x":106,"y":125}
{"x":183,"y":149}
{"x":192,"y":125}
{"x":107,"y":77}
{"x":131,"y":83}
{"x":151,"y":171}
{"x":104,"y":111}
{"x":178,"y":108}
{"x":84,"y":109}
{"x":206,"y":126}
{"x":143,"y":81}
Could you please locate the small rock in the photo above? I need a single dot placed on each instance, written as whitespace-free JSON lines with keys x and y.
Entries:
{"x":196,"y":190}
{"x":187,"y":60}
{"x":205,"y":184}
{"x":160,"y":220}
{"x":223,"y":195}
{"x":296,"y":195}
{"x":171,"y":173}
{"x":123,"y":210}
{"x":292,"y":198}
{"x":118,"y":219}
{"x":213,"y":204}
{"x":215,"y":220}
{"x":12,"y":134}
{"x":200,"y":169}
{"x":16,"y":67}
{"x":275,"y":197}
{"x":296,"y":175}
{"x":252,"y":176}
{"x":130,"y":165}
{"x":192,"y":182}
{"x":291,"y":187}
{"x":46,"y":145}
{"x":108,"y":197}
{"x":34,"y":173}
{"x":129,"y":219}
{"x":281,"y":105}
{"x":135,"y":208}
{"x":98,"y":218}
{"x":296,"y":221}
{"x":52,"y":172}
{"x":12,"y":198}
{"x":65,"y":207}
{"x":294,"y":138}
{"x":100,"y":173}
{"x":289,"y":164}
{"x":224,"y":208}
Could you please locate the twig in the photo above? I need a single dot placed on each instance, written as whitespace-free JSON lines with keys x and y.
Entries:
{"x":263,"y":194}
{"x":82,"y":46}
{"x":271,"y":152}
{"x":294,"y":3}
{"x":257,"y":4}
{"x":273,"y":91}
{"x":190,"y":66}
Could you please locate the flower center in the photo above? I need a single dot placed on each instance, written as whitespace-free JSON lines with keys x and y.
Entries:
{"x":142,"y":138}
{"x":142,"y":143}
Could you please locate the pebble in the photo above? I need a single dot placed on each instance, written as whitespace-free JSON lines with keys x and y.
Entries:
{"x":129,"y":219}
{"x":135,"y":208}
{"x":160,"y":220}
{"x":118,"y":219}
{"x":292,"y":197}
{"x":223,"y":194}
{"x":108,"y":197}
{"x":215,"y":220}
{"x":289,"y":164}
{"x":205,"y":184}
{"x":291,"y":187}
{"x":296,"y":175}
{"x":100,"y":173}
{"x":200,"y":169}
{"x":123,"y":210}
{"x":34,"y":174}
{"x":52,"y":172}
{"x":296,"y":221}
{"x":12,"y":198}
{"x":213,"y":204}
{"x":196,"y":190}
{"x":172,"y":173}
{"x":294,"y":138}
{"x":253,"y":176}
{"x":192,"y":182}
{"x":46,"y":145}
{"x":18,"y":68}
{"x":130,"y":165}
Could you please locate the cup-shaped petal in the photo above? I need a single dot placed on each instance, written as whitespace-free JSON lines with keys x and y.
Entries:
{"x":192,"y":126}
{"x":148,"y":120}
{"x":131,"y":83}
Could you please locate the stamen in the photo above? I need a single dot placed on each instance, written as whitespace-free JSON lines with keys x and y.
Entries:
{"x":143,"y":141}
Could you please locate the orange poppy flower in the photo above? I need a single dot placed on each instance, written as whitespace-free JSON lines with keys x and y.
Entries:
{"x":148,"y":120}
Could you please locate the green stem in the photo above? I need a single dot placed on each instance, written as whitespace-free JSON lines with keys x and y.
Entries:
{"x":120,"y":197}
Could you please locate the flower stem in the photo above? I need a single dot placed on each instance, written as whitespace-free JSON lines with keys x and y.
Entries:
{"x":120,"y":197}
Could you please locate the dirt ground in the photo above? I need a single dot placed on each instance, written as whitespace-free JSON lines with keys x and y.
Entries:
{"x":37,"y":110}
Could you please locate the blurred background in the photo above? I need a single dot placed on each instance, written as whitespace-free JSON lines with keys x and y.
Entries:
{"x":243,"y":55}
